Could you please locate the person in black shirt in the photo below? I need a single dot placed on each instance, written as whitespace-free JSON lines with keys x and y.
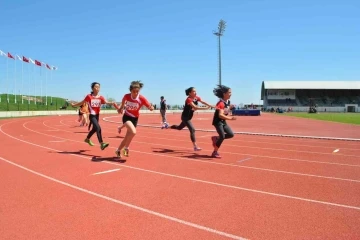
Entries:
{"x":163,"y":108}
{"x":220,"y":116}
{"x":191,"y":104}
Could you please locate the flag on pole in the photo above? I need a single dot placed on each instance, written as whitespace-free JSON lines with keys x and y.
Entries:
{"x":25,"y":59}
{"x":3,"y":54}
{"x":10,"y":56}
{"x":7,"y":75}
{"x":44,"y":65}
{"x":37,"y":63}
{"x":35,"y":98}
{"x":21,"y":92}
{"x":22,"y":66}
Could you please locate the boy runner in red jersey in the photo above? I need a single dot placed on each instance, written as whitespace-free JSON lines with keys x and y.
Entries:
{"x":94,"y":101}
{"x":191,"y":104}
{"x":220,"y":116}
{"x":132,"y":102}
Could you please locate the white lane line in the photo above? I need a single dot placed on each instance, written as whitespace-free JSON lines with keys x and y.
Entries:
{"x":336,"y":150}
{"x":194,"y":225}
{"x":256,"y":133}
{"x":108,"y":171}
{"x":216,"y":163}
{"x":58,"y":141}
{"x":251,"y":155}
{"x":194,"y":179}
{"x":236,"y":145}
{"x":243,"y":160}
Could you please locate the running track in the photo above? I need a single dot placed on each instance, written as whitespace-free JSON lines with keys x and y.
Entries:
{"x":54,"y":186}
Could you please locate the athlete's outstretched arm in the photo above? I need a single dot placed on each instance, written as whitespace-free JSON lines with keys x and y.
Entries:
{"x":78,"y":104}
{"x":207,"y":104}
{"x":147,"y":103}
{"x":121,"y":108}
{"x":195,"y":107}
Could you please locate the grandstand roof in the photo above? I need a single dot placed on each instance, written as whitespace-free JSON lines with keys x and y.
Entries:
{"x":329,"y":85}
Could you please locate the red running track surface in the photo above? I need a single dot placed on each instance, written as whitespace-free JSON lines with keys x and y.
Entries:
{"x":54,"y":186}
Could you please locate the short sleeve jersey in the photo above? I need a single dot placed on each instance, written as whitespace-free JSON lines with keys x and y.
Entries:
{"x":188,"y":111}
{"x":94,"y":103}
{"x":133,"y":105}
{"x":221,"y":105}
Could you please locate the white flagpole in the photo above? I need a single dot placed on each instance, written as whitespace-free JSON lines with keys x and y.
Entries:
{"x":29,"y":83}
{"x":0,"y":82}
{"x":35,"y":97}
{"x":7,"y":79}
{"x":46,"y":88}
{"x":22,"y":82}
{"x":51,"y":80}
{"x":41,"y":96}
{"x":15,"y":80}
{"x":3,"y":92}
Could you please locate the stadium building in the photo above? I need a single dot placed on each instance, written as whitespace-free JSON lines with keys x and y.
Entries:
{"x":325,"y":96}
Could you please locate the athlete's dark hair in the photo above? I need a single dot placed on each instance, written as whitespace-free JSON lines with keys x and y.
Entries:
{"x":188,"y":91}
{"x":162,"y":97}
{"x":220,"y":90}
{"x":136,"y":84}
{"x":93,"y":85}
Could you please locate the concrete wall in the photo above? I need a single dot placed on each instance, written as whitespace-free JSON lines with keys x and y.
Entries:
{"x":75,"y":112}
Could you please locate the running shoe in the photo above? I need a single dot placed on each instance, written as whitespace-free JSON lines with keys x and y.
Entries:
{"x":88,"y":141}
{"x":118,"y":153}
{"x":197,"y":148}
{"x":104,"y":145}
{"x":126,"y":152}
{"x":215,"y":155}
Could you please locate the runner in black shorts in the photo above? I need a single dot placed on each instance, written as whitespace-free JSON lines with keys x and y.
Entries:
{"x":191,"y":105}
{"x":131,"y":104}
{"x":220,"y":116}
{"x":126,"y":118}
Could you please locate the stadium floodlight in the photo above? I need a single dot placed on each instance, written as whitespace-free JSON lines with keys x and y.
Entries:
{"x":219,"y":33}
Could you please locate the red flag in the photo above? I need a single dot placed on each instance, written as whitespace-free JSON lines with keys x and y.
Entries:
{"x":10,"y":56}
{"x":37,"y":63}
{"x":48,"y":66}
{"x":25,"y":59}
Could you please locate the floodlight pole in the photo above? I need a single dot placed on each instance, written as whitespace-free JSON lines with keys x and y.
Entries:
{"x":219,"y":34}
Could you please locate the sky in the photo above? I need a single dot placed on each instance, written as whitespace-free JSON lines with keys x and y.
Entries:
{"x":170,"y":46}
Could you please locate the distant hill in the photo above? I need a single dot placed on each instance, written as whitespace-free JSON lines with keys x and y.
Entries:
{"x":36,"y":104}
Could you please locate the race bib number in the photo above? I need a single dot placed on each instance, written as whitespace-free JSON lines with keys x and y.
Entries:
{"x":132,"y":106}
{"x":226,"y":111}
{"x":95,"y":103}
